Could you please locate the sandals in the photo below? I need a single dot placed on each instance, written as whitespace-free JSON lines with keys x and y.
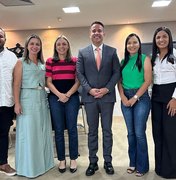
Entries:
{"x":138,"y":174}
{"x":131,"y":170}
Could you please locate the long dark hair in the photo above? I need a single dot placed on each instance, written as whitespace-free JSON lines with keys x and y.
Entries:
{"x":26,"y":51}
{"x":127,"y":54}
{"x":55,"y":54}
{"x":155,"y":50}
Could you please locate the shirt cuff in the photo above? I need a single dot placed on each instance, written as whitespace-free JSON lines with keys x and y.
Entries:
{"x":174,"y":94}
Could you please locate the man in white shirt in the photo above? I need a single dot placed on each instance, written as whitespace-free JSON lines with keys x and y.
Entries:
{"x":7,"y":63}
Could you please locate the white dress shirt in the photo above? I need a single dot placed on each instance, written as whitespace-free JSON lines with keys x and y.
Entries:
{"x":164,"y":72}
{"x":7,"y":63}
{"x":95,"y":51}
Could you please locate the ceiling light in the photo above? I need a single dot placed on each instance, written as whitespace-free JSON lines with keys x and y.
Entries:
{"x":161,"y":3}
{"x":71,"y":10}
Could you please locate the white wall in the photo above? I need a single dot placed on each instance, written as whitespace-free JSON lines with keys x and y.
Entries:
{"x":79,"y":37}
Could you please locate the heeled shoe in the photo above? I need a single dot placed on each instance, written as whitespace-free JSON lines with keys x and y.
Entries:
{"x":63,"y":169}
{"x":73,"y":170}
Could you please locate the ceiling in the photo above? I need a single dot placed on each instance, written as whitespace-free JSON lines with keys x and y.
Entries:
{"x":44,"y":13}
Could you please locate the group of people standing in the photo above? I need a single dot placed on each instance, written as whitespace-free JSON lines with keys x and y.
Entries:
{"x":98,"y":70}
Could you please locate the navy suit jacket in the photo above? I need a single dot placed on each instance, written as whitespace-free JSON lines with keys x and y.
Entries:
{"x":90,"y":77}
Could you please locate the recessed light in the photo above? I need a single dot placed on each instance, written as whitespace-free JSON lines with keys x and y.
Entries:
{"x":161,"y":3}
{"x":71,"y":10}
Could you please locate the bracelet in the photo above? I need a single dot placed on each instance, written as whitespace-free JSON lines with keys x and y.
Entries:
{"x":136,"y":97}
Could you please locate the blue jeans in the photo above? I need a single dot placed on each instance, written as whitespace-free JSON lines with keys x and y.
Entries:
{"x":64,"y":116}
{"x":136,"y":118}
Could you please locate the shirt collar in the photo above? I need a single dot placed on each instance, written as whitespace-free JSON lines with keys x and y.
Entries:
{"x":94,"y":47}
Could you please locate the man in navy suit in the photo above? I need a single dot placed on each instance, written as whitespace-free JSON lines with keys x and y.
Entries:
{"x":98,"y":93}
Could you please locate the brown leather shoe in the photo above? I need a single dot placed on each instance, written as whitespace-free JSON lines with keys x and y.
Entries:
{"x":6,"y":169}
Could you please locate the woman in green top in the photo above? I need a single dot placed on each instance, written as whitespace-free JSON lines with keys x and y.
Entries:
{"x":135,"y":102}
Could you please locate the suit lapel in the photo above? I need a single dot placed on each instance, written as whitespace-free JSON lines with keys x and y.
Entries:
{"x":103,"y":56}
{"x":91,"y":55}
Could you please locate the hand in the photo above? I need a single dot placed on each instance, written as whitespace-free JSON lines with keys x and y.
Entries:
{"x":101,"y":92}
{"x":171,"y":106}
{"x":63,"y":98}
{"x":125,"y":101}
{"x":94,"y":92}
{"x":132,"y":101}
{"x":18,"y":109}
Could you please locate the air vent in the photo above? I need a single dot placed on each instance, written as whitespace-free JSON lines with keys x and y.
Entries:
{"x":16,"y":2}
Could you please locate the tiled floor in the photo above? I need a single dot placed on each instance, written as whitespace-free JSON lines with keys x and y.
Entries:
{"x":120,"y":158}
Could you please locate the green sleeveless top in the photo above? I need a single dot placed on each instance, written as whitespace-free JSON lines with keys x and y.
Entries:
{"x":131,"y":77}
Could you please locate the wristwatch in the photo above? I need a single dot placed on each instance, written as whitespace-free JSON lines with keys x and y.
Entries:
{"x":136,"y":97}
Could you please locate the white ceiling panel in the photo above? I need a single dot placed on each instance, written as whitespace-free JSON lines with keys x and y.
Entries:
{"x":44,"y":13}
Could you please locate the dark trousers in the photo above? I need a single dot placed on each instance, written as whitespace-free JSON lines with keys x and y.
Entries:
{"x":6,"y":117}
{"x":164,"y":131}
{"x":165,"y":140}
{"x":105,"y":111}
